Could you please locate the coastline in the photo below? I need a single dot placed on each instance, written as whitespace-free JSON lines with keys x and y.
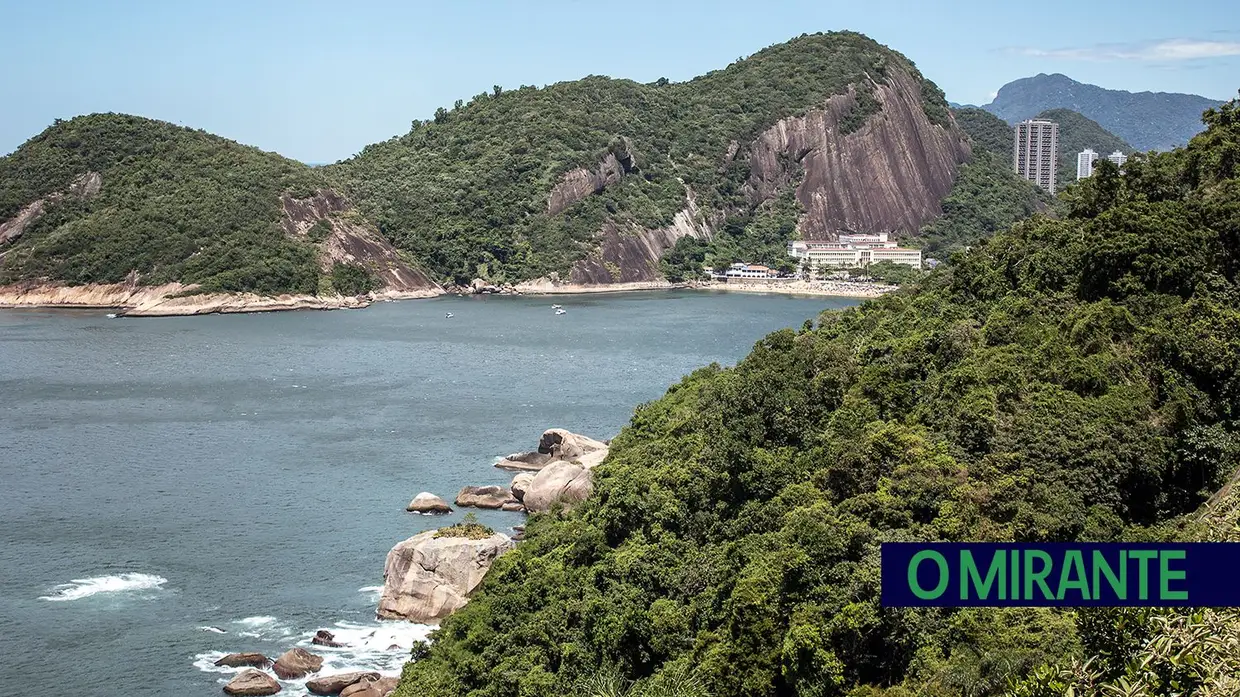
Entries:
{"x":166,"y":300}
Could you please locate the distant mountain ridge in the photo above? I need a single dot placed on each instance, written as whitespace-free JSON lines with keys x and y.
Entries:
{"x":1146,"y":120}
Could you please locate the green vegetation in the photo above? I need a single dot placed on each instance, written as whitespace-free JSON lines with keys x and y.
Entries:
{"x":1071,"y":379}
{"x":468,"y":190}
{"x":468,"y":527}
{"x":350,"y":279}
{"x":176,"y":205}
{"x":986,"y":131}
{"x":890,"y":273}
{"x":1076,"y":133}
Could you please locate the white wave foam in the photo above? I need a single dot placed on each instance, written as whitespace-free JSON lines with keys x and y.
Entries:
{"x":80,"y":588}
{"x":256,"y":621}
{"x":263,"y":627}
{"x":214,"y":630}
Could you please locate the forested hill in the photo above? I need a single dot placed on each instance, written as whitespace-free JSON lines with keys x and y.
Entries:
{"x":108,"y":198}
{"x":1068,"y":379}
{"x":595,"y":178}
{"x":1147,"y":120}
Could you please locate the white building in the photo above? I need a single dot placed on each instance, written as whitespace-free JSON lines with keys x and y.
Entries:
{"x":1085,"y":164}
{"x":1035,"y":152}
{"x":1118,"y":158}
{"x":854,"y":251}
{"x":749,"y":271}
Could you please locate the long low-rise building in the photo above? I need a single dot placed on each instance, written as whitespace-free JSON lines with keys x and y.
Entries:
{"x":854,"y":251}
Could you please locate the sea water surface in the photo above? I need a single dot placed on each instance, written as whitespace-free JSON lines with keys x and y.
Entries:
{"x":175,"y":489}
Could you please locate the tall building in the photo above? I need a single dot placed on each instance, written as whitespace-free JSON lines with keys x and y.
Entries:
{"x":1118,"y":158}
{"x":1085,"y":164}
{"x":1035,"y":152}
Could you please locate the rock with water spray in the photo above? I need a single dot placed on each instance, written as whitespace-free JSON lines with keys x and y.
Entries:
{"x":242,"y":660}
{"x":297,"y":663}
{"x":252,"y":682}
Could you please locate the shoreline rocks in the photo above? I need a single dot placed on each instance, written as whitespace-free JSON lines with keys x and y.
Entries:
{"x":296,"y":663}
{"x":427,"y":503}
{"x":240,"y":660}
{"x":427,"y":578}
{"x":490,"y":497}
{"x":335,"y":684}
{"x":554,"y":445}
{"x":252,"y":682}
{"x":325,"y":638}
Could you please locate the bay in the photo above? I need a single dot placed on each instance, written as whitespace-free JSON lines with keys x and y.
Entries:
{"x":172,"y":489}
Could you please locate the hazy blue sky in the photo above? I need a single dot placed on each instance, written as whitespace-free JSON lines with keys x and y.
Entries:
{"x":318,"y":80}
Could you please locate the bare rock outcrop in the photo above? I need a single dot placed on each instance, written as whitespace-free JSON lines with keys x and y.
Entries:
{"x":296,"y":663}
{"x":491,"y":497}
{"x":564,"y":483}
{"x":334,"y":684}
{"x":371,"y":688}
{"x":557,"y":444}
{"x":888,"y":175}
{"x":428,"y":504}
{"x":558,"y":472}
{"x":84,"y":186}
{"x":347,"y":240}
{"x":628,"y":254}
{"x":252,"y":682}
{"x":427,"y":577}
{"x":579,"y":183}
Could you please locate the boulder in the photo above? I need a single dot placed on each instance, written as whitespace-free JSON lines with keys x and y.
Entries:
{"x":428,"y":503}
{"x":335,"y":684}
{"x":296,"y":663}
{"x":252,"y":682}
{"x":381,"y":687}
{"x":561,"y":482}
{"x":427,"y":578}
{"x":484,"y":497}
{"x":240,"y":660}
{"x":325,"y":638}
{"x":557,"y":444}
{"x":513,"y":507}
{"x":520,"y":483}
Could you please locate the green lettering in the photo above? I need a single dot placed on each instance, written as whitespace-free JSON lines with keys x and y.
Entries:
{"x":912,"y":574}
{"x":1073,"y":562}
{"x":1038,"y":577}
{"x":1166,"y":575}
{"x":1143,"y":575}
{"x":969,"y":572}
{"x":1102,"y":568}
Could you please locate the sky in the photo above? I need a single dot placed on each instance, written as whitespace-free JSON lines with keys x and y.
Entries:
{"x":318,"y":80}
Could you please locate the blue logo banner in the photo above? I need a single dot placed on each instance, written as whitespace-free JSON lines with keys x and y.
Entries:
{"x":1063,"y":574}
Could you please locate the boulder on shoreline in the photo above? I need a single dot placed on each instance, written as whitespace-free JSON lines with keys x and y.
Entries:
{"x":554,"y":445}
{"x":427,"y":578}
{"x":335,"y":684}
{"x":371,"y":688}
{"x":252,"y":682}
{"x":428,"y":504}
{"x":484,"y":497}
{"x":296,"y":663}
{"x":564,"y":483}
{"x":241,"y":660}
{"x":325,"y":638}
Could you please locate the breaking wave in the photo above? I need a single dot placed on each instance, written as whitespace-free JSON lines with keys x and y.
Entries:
{"x":80,"y":588}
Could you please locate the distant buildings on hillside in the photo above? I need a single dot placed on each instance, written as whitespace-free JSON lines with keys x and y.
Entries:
{"x":853,"y":251}
{"x":1086,"y":158}
{"x":1085,"y":164}
{"x":1035,"y":152}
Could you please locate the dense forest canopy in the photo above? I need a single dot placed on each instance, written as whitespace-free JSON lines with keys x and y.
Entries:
{"x":175,"y":204}
{"x":466,"y":192}
{"x":1068,"y":379}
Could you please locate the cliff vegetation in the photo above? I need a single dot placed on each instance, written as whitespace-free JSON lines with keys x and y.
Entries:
{"x":1067,"y":379}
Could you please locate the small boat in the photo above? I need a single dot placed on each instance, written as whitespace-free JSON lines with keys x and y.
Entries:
{"x":556,"y":307}
{"x":111,"y":315}
{"x":561,"y":311}
{"x":448,"y":316}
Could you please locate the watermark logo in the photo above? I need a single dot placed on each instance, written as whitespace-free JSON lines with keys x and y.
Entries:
{"x":942,"y":574}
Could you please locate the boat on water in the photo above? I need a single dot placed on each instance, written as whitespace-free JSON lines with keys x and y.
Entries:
{"x":448,"y":315}
{"x":111,"y":316}
{"x":561,"y":311}
{"x":556,"y":307}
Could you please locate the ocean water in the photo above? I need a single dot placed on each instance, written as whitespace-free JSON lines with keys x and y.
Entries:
{"x":175,"y":489}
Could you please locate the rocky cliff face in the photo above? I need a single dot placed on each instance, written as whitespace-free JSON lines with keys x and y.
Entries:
{"x":351,"y":242}
{"x":889,"y":175}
